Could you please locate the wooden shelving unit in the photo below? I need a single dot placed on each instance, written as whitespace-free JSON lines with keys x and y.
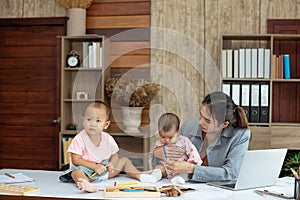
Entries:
{"x":88,"y":81}
{"x":283,"y":126}
{"x":91,"y":81}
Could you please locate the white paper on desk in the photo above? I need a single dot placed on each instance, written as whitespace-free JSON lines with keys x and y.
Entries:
{"x":283,"y":186}
{"x":19,"y":178}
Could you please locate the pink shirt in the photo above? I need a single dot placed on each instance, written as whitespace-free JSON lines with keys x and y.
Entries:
{"x":190,"y":152}
{"x":82,"y":145}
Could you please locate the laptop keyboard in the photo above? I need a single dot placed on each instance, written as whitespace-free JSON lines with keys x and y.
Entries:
{"x":230,"y":185}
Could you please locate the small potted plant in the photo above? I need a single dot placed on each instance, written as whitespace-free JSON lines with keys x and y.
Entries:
{"x":292,"y":160}
{"x":132,"y":94}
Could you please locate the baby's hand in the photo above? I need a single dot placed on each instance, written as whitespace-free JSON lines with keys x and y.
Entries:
{"x":100,"y":169}
{"x":110,"y":167}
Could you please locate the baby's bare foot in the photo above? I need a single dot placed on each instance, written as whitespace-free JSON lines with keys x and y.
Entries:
{"x":85,"y":185}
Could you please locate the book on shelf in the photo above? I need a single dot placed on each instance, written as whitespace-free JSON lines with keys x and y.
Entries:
{"x":92,"y":54}
{"x":84,"y":55}
{"x":66,"y":141}
{"x":286,"y":66}
{"x":274,"y":66}
{"x":280,"y":66}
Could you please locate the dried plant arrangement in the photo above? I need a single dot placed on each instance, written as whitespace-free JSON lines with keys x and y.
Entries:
{"x":131,"y":92}
{"x":84,"y":4}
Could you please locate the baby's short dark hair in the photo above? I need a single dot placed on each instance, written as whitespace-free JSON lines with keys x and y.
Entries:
{"x":100,"y":104}
{"x":168,"y":121}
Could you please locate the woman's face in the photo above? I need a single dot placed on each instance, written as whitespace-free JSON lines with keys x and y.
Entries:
{"x":209,"y":124}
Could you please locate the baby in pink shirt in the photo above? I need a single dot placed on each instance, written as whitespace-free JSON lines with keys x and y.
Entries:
{"x":94,"y":153}
{"x":168,"y":126}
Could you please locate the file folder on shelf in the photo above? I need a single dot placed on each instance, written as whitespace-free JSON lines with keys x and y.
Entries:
{"x":254,"y":114}
{"x":267,"y":63}
{"x":229,"y":63}
{"x":254,"y":63}
{"x":248,"y":63}
{"x":226,"y":88}
{"x":245,"y":101}
{"x":235,"y":63}
{"x":264,"y":103}
{"x":224,"y":63}
{"x":242,"y":70}
{"x":235,"y":93}
{"x":260,"y":62}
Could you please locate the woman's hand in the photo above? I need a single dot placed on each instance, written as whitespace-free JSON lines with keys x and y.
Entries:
{"x":173,"y":153}
{"x":180,"y":167}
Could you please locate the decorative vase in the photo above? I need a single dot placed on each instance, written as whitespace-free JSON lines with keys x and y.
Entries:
{"x":77,"y":22}
{"x":132,"y":119}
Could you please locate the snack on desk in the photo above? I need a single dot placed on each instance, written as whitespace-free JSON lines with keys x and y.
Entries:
{"x":131,"y":192}
{"x":171,"y":190}
{"x":175,"y":190}
{"x":17,"y":189}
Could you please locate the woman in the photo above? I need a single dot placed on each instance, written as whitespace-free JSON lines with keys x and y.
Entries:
{"x":221,"y":137}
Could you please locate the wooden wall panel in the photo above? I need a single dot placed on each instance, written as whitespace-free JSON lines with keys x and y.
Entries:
{"x":31,"y":8}
{"x":124,"y":8}
{"x":136,"y":21}
{"x":127,"y":51}
{"x":130,"y":61}
{"x":115,"y":19}
{"x":185,"y":19}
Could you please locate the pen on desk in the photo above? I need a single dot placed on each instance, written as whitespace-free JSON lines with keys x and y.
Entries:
{"x":165,"y":152}
{"x":266,"y":192}
{"x":9,"y":175}
{"x":295,"y":173}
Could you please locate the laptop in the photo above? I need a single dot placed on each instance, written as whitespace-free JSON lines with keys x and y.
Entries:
{"x":260,"y":168}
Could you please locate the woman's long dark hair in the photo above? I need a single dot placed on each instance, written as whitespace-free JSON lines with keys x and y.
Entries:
{"x":222,"y":108}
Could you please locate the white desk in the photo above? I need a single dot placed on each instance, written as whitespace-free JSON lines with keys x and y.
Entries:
{"x":52,"y":188}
